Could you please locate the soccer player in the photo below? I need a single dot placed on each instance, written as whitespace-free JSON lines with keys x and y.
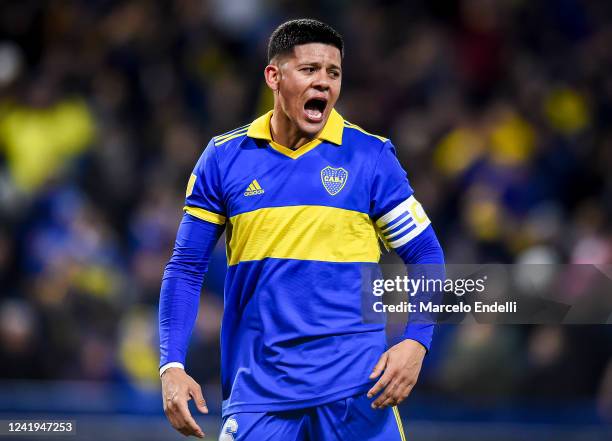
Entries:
{"x":302,"y":195}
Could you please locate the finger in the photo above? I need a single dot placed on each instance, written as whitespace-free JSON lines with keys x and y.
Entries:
{"x":389,"y":393}
{"x":198,"y":397}
{"x":407,"y":391}
{"x":380,"y":384}
{"x":173,"y":422}
{"x":185,"y":431}
{"x":391,"y":398}
{"x":171,"y":411}
{"x":178,"y":423}
{"x":187,"y":421}
{"x":380,"y":366}
{"x":398,"y":395}
{"x":391,"y":401}
{"x":404,"y":394}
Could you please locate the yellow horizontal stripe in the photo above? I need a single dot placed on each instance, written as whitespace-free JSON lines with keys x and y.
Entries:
{"x":205,"y":215}
{"x":304,"y":232}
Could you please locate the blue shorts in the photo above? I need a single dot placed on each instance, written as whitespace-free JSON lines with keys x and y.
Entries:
{"x":343,"y":420}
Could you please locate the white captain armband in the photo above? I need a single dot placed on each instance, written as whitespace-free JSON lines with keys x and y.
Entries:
{"x":403,"y":223}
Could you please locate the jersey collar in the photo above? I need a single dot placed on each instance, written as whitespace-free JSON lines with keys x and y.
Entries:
{"x":332,"y":132}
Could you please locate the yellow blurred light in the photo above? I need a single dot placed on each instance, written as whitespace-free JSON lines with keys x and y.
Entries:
{"x":483,"y":218}
{"x":95,"y":280}
{"x":567,"y":110}
{"x":38,"y":142}
{"x":136,"y":352}
{"x":458,"y":150}
{"x":512,"y":140}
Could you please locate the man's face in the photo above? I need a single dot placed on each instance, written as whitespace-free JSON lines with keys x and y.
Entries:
{"x":308,"y":85}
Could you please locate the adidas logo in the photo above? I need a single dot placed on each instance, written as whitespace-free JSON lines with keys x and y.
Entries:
{"x":253,"y":189}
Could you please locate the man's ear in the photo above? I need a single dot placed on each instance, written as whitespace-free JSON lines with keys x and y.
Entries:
{"x":272,"y":75}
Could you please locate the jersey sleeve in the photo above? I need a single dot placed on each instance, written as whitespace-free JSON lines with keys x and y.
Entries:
{"x":181,"y":286}
{"x":399,"y":216}
{"x":403,"y":225}
{"x":204,"y":198}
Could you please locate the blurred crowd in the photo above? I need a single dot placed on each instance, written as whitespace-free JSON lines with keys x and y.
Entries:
{"x":500,"y":111}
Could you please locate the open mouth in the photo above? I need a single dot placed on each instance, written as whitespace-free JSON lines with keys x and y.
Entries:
{"x":314,"y":109}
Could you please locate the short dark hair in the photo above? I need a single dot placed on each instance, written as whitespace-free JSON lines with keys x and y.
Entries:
{"x":302,"y":31}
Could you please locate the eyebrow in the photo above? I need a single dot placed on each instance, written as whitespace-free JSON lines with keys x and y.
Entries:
{"x":317,"y":63}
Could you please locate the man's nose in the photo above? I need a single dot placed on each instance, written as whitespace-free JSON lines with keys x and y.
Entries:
{"x":321,"y":81}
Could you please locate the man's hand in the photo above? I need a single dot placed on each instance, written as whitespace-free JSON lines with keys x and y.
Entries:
{"x":177,"y":389}
{"x":401,"y":365}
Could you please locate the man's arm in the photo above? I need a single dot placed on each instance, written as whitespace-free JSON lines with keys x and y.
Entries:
{"x":402,"y":363}
{"x":404,"y":226}
{"x":178,"y":309}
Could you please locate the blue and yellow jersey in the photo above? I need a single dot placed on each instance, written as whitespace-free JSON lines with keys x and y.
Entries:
{"x":300,"y":226}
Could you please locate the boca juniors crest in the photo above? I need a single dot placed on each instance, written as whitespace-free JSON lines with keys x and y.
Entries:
{"x":333,"y":179}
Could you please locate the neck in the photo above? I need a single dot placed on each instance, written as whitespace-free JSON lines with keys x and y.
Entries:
{"x":285,"y":132}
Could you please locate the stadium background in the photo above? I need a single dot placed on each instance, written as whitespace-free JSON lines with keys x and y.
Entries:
{"x":500,"y":111}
